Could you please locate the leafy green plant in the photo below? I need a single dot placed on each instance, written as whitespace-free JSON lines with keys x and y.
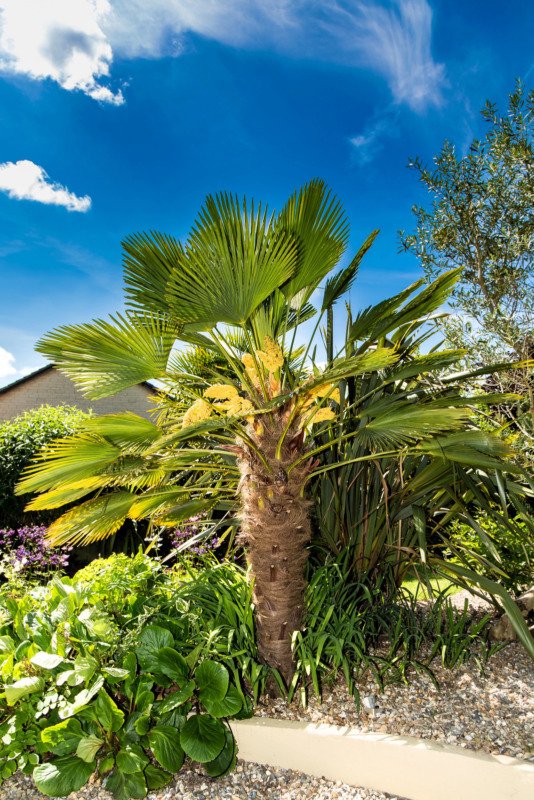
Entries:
{"x":457,"y":638}
{"x":75,"y":690}
{"x":394,"y":510}
{"x":370,"y":626}
{"x":242,"y":441}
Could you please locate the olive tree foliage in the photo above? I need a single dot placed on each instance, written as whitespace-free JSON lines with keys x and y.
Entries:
{"x":481,"y":218}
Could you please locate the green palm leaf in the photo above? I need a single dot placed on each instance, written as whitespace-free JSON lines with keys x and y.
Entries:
{"x":93,"y":520}
{"x":234,"y":259}
{"x":67,"y":461}
{"x":104,"y":358}
{"x":339,"y":284}
{"x":148,"y":264}
{"x":318,"y":224}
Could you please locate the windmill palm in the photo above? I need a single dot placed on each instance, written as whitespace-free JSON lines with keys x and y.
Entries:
{"x":237,"y":435}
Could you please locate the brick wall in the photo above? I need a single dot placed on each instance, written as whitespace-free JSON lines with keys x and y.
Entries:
{"x":53,"y":388}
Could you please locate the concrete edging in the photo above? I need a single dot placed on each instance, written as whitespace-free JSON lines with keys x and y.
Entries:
{"x":419,"y":769}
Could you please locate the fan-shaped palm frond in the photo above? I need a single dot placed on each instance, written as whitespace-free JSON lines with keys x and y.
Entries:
{"x":234,"y":259}
{"x":318,"y":224}
{"x":104,"y":358}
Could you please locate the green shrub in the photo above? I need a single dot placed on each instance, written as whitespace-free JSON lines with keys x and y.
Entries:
{"x":21,"y":439}
{"x":515,"y":551}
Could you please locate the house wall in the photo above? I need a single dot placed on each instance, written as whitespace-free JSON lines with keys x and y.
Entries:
{"x":53,"y":388}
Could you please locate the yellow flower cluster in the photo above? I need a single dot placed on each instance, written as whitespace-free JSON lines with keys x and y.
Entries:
{"x":199,"y":411}
{"x":221,"y":391}
{"x":322,"y":415}
{"x":238,"y":405}
{"x":322,"y":391}
{"x":250,"y":367}
{"x":271,"y":356}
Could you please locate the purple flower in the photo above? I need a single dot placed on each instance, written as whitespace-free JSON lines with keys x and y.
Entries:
{"x":27,"y":549}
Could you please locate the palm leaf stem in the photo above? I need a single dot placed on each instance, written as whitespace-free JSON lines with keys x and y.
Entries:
{"x":257,"y":364}
{"x":304,"y":357}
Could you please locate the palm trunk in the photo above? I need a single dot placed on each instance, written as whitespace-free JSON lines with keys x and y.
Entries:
{"x":276,"y":529}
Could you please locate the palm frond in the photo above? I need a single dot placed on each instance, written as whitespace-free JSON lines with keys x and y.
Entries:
{"x":67,"y":461}
{"x":104,"y":358}
{"x":402,"y":423}
{"x":395,"y":312}
{"x":93,"y":520}
{"x":341,"y":282}
{"x":234,"y":259}
{"x":318,"y":225}
{"x":149,"y":260}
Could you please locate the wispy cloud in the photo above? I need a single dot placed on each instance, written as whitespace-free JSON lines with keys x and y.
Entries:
{"x":58,"y":39}
{"x":394,"y":39}
{"x":73,"y":41}
{"x":367,"y":144}
{"x":24,"y":180}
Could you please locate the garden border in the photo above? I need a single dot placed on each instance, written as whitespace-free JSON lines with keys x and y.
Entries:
{"x":419,"y":769}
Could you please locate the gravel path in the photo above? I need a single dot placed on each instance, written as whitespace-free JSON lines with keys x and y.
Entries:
{"x":494,"y":713}
{"x":248,"y":782}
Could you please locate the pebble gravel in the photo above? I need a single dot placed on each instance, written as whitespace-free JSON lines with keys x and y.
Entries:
{"x":493,"y":712}
{"x":248,"y":782}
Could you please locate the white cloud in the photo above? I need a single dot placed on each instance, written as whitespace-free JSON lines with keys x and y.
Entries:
{"x":73,"y":41}
{"x":6,"y":363}
{"x":58,"y":39}
{"x":25,"y":180}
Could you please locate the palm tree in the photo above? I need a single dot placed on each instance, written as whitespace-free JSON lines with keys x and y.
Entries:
{"x":238,"y":435}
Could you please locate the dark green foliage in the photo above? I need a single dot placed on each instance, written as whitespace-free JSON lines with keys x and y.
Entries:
{"x":366,"y":625}
{"x":98,"y":682}
{"x":20,"y":440}
{"x":393,"y":510}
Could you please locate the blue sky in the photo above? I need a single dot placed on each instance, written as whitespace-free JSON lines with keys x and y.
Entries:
{"x":121,"y":115}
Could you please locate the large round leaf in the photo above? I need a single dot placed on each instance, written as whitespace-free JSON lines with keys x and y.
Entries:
{"x":152,"y":639}
{"x":229,"y":706}
{"x":88,"y":747}
{"x":165,"y":744}
{"x":64,"y":738}
{"x":22,"y":688}
{"x":124,"y":786}
{"x":156,"y":778}
{"x":225,"y":761}
{"x":212,"y":681}
{"x":202,"y":738}
{"x":131,"y":758}
{"x":172,"y":664}
{"x":62,"y":776}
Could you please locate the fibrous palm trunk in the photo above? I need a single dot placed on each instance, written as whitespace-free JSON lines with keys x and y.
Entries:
{"x":275,"y":530}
